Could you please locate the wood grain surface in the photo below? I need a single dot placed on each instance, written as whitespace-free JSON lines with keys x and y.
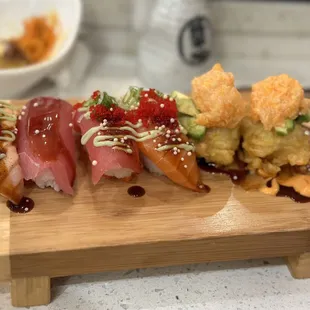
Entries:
{"x":103,"y":228}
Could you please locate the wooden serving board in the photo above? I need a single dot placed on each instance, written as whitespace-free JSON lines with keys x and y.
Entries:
{"x":103,"y":228}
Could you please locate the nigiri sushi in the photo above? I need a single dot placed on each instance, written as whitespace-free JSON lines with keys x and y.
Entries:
{"x":46,"y":145}
{"x":106,"y":137}
{"x":160,"y":139}
{"x":11,"y":176}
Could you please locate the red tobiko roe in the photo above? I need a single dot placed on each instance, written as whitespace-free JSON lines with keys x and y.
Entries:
{"x":78,"y":105}
{"x":95,"y":94}
{"x":113,"y":114}
{"x":157,"y":110}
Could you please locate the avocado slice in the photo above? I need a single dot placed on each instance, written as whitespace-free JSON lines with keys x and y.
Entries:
{"x":184,"y":103}
{"x":288,"y":127}
{"x":305,"y":118}
{"x":194,"y":130}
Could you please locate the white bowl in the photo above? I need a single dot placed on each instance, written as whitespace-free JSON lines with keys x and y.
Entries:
{"x":12,"y":13}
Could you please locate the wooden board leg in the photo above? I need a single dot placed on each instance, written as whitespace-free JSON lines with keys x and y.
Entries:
{"x":26,"y":292}
{"x":300,"y":266}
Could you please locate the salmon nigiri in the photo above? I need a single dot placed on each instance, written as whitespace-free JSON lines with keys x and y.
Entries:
{"x":106,"y":137}
{"x":11,"y":176}
{"x":161,"y":140}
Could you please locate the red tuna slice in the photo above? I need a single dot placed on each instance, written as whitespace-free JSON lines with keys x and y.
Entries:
{"x":46,"y":145}
{"x":106,"y":161}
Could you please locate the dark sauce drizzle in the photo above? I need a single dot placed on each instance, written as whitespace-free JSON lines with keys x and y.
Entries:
{"x":136,"y":191}
{"x":292,"y":194}
{"x":25,"y":205}
{"x":236,"y":175}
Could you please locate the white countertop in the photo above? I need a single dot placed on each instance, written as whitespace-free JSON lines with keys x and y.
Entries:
{"x":257,"y":284}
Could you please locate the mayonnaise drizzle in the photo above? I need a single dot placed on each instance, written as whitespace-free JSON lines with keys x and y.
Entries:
{"x":187,"y":147}
{"x":108,"y":140}
{"x":7,"y":135}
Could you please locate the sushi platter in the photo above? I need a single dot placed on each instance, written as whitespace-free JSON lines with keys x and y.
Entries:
{"x":97,"y":223}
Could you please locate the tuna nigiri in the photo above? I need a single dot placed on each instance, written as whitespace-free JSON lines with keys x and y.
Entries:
{"x":160,"y":139}
{"x":46,"y":145}
{"x":105,"y":134}
{"x":11,"y":177}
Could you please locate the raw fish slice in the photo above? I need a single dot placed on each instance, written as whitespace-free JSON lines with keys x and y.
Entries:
{"x":168,"y":148}
{"x":46,"y":144}
{"x":106,"y":161}
{"x":11,"y":177}
{"x":179,"y":165}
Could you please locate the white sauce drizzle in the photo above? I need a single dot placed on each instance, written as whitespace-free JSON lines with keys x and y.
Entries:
{"x":7,"y":135}
{"x":117,"y":142}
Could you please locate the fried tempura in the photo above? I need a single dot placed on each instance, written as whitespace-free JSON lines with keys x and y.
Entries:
{"x":219,"y":146}
{"x":266,"y":152}
{"x":216,"y":96}
{"x":277,"y":99}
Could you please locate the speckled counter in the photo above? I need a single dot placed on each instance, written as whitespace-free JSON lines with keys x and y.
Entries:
{"x":257,"y":284}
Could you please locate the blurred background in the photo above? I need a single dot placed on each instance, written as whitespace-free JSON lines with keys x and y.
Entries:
{"x":165,"y":43}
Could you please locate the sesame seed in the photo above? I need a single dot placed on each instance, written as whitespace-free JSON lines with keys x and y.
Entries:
{"x":173,"y":139}
{"x":94,"y":163}
{"x":175,"y":149}
{"x":122,"y":140}
{"x":111,"y":109}
{"x":115,"y":139}
{"x":172,"y":120}
{"x":27,"y":200}
{"x":182,"y":159}
{"x":201,"y":186}
{"x":158,"y":145}
{"x":136,"y":108}
{"x":125,"y":137}
{"x":175,"y":153}
{"x":70,"y":125}
{"x":24,"y":107}
{"x":189,"y":153}
{"x":179,"y":139}
{"x":187,"y":143}
{"x":235,"y":177}
{"x":146,"y":95}
{"x":162,"y":105}
{"x":22,"y":113}
{"x":26,"y":209}
{"x":163,"y":126}
{"x":179,"y":151}
{"x":177,"y":131}
{"x":43,"y":135}
{"x":171,"y":99}
{"x":168,"y":131}
{"x":99,"y":133}
{"x":165,"y":96}
{"x":36,"y":131}
{"x":154,"y":141}
{"x":35,"y":104}
{"x":140,"y":120}
{"x":167,"y":136}
{"x":156,"y":127}
{"x":19,"y":117}
{"x":307,"y":133}
{"x":185,"y":166}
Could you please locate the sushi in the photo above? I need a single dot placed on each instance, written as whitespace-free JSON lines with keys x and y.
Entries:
{"x":276,"y":134}
{"x":46,"y":145}
{"x":106,"y":133}
{"x":220,"y":109}
{"x":161,"y":139}
{"x":11,"y":176}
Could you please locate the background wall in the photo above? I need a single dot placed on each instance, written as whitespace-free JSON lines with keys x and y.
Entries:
{"x":254,"y":29}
